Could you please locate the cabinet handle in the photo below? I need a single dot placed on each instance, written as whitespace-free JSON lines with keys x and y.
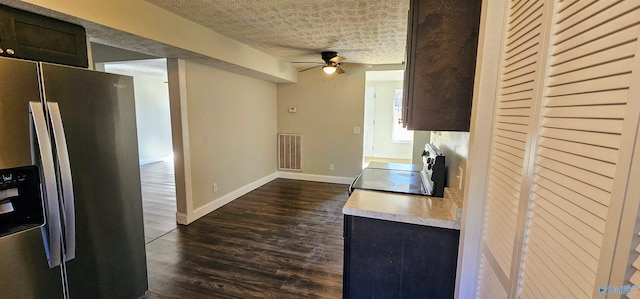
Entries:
{"x":10,"y":52}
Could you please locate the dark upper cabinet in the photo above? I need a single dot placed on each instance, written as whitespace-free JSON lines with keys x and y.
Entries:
{"x":440,"y":65}
{"x":30,"y":36}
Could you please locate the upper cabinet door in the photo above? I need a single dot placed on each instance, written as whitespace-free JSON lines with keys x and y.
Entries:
{"x":441,"y":50}
{"x":30,"y":36}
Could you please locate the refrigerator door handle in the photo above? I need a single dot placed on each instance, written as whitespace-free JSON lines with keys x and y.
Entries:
{"x":66,"y":183}
{"x":51,"y":232}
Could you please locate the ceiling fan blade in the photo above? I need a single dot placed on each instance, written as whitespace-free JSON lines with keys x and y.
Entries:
{"x":339,"y":69}
{"x":308,"y":62}
{"x":337,"y":59}
{"x":313,"y":67}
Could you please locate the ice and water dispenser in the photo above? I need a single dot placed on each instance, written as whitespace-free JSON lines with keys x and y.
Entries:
{"x":20,"y":200}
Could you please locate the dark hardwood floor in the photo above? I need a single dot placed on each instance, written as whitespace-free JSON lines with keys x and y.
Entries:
{"x":158,"y":199}
{"x":282,"y":240}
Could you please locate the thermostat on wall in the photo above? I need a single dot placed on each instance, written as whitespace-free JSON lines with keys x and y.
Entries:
{"x":292,"y":110}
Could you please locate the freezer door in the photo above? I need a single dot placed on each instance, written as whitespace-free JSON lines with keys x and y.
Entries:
{"x":24,"y":271}
{"x":18,"y":86}
{"x":97,"y":112}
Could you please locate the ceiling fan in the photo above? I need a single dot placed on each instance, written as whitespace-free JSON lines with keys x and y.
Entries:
{"x":332,"y":63}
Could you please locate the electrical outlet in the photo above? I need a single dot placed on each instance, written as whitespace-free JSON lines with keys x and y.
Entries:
{"x":215,"y":187}
{"x":331,"y":167}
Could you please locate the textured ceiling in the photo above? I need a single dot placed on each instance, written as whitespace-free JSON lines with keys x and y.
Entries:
{"x":363,"y":31}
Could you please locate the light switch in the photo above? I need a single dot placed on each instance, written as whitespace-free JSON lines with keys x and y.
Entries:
{"x":293,"y":110}
{"x":356,"y":130}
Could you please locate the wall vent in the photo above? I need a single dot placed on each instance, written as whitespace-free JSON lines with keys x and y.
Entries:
{"x":290,"y":152}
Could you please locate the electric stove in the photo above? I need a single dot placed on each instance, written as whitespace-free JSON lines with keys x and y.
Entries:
{"x":405,"y":178}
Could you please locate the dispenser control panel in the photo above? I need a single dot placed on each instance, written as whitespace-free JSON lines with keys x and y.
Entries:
{"x":21,"y":205}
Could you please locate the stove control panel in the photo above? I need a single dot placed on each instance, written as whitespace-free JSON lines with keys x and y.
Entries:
{"x":434,"y":171}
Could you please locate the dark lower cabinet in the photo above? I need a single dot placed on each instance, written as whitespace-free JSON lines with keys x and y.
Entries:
{"x":385,"y":259}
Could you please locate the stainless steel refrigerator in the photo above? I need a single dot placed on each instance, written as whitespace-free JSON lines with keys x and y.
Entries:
{"x":68,"y":158}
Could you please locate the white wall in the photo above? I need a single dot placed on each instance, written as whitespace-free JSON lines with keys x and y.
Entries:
{"x":369,"y":115}
{"x":328,"y":109}
{"x":383,"y":144}
{"x":455,"y":146}
{"x":153,"y":118}
{"x":232,"y":123}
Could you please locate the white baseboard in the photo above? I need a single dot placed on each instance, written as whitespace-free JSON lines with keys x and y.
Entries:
{"x":314,"y":177}
{"x":223,"y":200}
{"x":182,"y":218}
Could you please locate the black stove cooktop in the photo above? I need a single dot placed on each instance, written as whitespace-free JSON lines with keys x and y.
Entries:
{"x":399,"y":181}
{"x":406,"y":178}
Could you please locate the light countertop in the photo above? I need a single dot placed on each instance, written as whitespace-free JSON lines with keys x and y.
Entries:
{"x":422,"y":210}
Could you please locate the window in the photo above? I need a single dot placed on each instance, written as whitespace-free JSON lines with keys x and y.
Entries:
{"x":398,"y":133}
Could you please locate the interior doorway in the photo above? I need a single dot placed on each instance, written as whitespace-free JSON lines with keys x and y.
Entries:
{"x":385,"y":140}
{"x":153,"y":120}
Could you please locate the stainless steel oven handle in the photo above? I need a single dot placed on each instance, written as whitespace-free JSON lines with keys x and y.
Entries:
{"x":353,"y":183}
{"x":41,"y":143}
{"x":66,"y":182}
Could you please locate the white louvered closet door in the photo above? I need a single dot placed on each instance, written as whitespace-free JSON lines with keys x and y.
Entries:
{"x":518,"y":82}
{"x":562,"y":144}
{"x":593,"y":50}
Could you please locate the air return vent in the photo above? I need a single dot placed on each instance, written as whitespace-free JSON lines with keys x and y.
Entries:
{"x":290,"y":152}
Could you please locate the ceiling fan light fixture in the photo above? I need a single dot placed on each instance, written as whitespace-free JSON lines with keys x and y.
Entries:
{"x":329,"y":69}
